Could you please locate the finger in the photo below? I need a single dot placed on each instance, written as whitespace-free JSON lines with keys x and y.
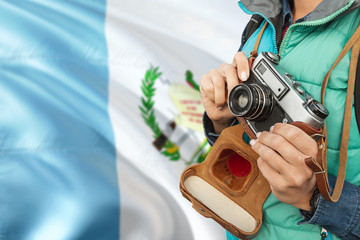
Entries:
{"x":269,"y":173}
{"x":230,"y":74}
{"x":298,"y":138}
{"x":207,"y":87}
{"x":271,"y":157}
{"x":242,"y":65}
{"x":281,"y":145}
{"x":219,"y":89}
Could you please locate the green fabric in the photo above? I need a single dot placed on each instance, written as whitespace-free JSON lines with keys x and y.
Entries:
{"x":308,"y":53}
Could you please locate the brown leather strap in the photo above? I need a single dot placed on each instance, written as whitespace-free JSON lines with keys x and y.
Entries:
{"x":254,"y":52}
{"x":246,"y":127}
{"x":313,"y":132}
{"x":253,"y":55}
{"x":347,"y":47}
{"x":319,"y":166}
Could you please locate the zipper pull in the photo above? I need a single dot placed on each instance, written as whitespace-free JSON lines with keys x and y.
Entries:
{"x":323,"y":234}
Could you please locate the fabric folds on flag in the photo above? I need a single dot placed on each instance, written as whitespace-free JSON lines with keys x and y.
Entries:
{"x":100,"y":115}
{"x":58,"y":174}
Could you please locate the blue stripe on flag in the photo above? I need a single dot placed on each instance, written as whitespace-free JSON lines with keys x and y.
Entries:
{"x":58,"y":175}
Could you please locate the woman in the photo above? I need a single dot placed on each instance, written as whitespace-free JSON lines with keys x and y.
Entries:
{"x":308,"y":35}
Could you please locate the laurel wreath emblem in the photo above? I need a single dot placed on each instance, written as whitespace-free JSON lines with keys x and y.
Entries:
{"x":171,"y":150}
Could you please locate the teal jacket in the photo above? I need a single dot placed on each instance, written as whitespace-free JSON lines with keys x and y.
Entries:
{"x":307,"y":51}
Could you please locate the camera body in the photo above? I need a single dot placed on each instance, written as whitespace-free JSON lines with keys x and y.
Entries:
{"x":228,"y":186}
{"x":271,"y":95}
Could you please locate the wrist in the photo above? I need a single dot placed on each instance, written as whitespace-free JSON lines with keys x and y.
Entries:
{"x":313,"y":204}
{"x":221,"y":125}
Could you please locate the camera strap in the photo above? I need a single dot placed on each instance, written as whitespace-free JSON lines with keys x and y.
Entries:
{"x":251,"y":59}
{"x":254,"y":52}
{"x":319,"y":166}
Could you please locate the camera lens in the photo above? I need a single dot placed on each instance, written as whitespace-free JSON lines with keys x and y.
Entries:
{"x":251,"y":101}
{"x":243,"y":100}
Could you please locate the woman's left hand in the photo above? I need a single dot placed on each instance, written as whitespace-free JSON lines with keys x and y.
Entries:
{"x":282,"y":154}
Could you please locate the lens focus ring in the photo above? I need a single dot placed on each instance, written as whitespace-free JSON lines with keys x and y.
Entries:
{"x":250,"y":101}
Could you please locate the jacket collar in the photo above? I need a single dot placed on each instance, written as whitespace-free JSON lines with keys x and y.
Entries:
{"x":272,"y":9}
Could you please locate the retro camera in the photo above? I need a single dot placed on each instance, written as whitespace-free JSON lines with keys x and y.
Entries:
{"x":228,"y":186}
{"x":271,"y":95}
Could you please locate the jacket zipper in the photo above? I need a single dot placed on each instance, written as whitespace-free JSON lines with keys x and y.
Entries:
{"x":290,"y":30}
{"x":318,"y":22}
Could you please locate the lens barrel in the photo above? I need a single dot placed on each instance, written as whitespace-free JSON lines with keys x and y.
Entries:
{"x":251,"y":101}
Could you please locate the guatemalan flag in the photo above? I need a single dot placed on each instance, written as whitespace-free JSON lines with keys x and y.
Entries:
{"x":100,"y":113}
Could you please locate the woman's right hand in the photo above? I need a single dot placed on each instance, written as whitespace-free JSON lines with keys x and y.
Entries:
{"x":217,"y":84}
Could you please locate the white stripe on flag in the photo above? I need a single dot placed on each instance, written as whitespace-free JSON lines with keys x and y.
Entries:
{"x":175,"y":36}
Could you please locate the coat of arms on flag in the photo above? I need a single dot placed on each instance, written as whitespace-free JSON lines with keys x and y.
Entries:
{"x":187,"y":101}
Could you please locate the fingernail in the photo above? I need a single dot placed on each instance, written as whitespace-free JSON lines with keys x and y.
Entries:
{"x":271,"y":128}
{"x":252,"y":142}
{"x":258,"y":134}
{"x":243,"y":76}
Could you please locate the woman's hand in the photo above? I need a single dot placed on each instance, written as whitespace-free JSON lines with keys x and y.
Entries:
{"x":282,"y":154}
{"x":217,"y":84}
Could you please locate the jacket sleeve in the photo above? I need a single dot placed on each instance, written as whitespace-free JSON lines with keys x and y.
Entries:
{"x":341,"y":218}
{"x":209,"y":129}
